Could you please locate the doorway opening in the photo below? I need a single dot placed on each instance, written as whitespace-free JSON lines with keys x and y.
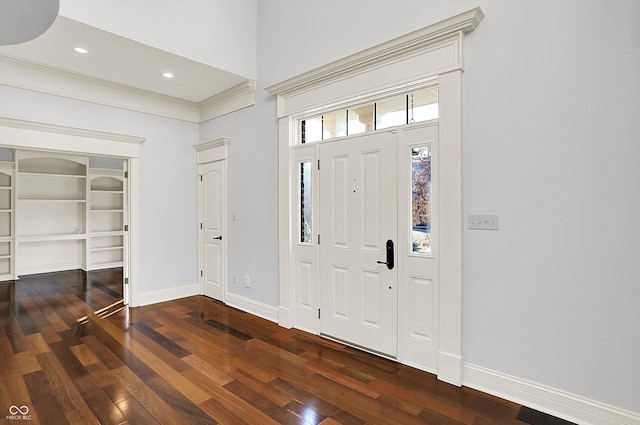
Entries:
{"x":68,"y":203}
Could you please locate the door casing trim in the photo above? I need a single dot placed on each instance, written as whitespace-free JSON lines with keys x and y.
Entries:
{"x":434,"y":51}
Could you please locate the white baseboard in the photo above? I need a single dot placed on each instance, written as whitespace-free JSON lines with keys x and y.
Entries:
{"x":162,"y":295}
{"x":256,"y":308}
{"x":284,"y":317}
{"x":48,"y":268}
{"x":545,"y":399}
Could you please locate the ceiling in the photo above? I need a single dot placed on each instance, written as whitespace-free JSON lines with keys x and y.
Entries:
{"x":122,"y":61}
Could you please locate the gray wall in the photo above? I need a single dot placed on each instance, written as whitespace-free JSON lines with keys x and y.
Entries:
{"x":551,"y":107}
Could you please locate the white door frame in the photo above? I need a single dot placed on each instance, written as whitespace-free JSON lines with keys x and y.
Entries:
{"x":434,"y":52}
{"x":211,"y":151}
{"x":32,"y":135}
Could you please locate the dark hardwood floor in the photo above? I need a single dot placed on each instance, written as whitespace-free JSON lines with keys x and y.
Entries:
{"x":196,"y":361}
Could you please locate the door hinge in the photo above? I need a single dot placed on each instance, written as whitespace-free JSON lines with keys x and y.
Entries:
{"x":200,"y":225}
{"x":201,"y":274}
{"x":126,"y":174}
{"x":200,"y":177}
{"x":318,"y":164}
{"x":126,"y":227}
{"x":318,"y":313}
{"x":318,"y":238}
{"x":126,"y":280}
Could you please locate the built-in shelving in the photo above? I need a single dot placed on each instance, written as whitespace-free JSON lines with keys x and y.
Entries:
{"x":57,"y":212}
{"x":106,"y":217}
{"x":51,"y":198}
{"x":6,"y":219}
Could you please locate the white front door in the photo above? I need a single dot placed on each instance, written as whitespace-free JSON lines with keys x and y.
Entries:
{"x":213,"y":200}
{"x":358,"y":222}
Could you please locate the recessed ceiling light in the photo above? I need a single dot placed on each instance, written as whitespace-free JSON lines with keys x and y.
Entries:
{"x":167,"y":75}
{"x":81,"y":50}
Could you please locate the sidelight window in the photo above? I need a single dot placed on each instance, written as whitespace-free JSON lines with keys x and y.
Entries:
{"x":421,"y":200}
{"x":304,"y":179}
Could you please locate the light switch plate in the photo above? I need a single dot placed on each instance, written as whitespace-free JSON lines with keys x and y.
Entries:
{"x":483,"y":221}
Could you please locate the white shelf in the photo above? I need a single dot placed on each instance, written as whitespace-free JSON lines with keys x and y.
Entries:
{"x":50,"y":238}
{"x":108,"y":248}
{"x":34,"y":173}
{"x":51,"y":200}
{"x":106,"y":233}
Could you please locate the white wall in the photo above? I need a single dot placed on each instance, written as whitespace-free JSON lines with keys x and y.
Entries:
{"x":550,"y":143}
{"x":551,"y":129}
{"x":168,"y":189}
{"x":219,"y":33}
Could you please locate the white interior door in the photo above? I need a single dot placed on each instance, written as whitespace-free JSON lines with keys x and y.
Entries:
{"x":212,"y":250}
{"x":358,"y":201}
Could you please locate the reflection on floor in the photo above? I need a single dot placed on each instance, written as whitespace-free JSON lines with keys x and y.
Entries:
{"x":196,"y":361}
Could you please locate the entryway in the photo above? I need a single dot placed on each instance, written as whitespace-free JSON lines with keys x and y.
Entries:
{"x":378,"y":249}
{"x":431,"y":55}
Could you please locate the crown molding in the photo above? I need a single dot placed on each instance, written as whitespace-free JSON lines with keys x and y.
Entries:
{"x":45,"y":79}
{"x":385,"y":53}
{"x":23,"y":134}
{"x":230,"y":100}
{"x":28,"y":75}
{"x":69,"y":131}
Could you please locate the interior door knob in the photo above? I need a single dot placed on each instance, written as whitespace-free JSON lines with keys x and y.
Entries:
{"x":218,"y":238}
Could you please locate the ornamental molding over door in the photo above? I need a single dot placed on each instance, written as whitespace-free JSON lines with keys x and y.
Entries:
{"x":440,"y":42}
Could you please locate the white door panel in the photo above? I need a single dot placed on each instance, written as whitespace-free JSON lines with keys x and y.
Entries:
{"x":213,"y":244}
{"x":418,"y":261}
{"x":358,"y":295}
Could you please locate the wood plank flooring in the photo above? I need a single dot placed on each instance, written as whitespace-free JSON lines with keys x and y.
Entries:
{"x":196,"y":361}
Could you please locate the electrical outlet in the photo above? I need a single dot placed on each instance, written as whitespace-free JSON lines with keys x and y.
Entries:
{"x":247,"y":282}
{"x":483,"y":221}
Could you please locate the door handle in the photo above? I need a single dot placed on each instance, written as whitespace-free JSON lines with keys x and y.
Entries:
{"x":390,"y":255}
{"x":218,"y":238}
